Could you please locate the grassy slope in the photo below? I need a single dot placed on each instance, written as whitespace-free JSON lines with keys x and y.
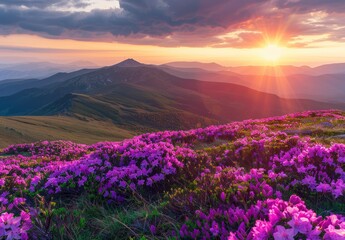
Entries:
{"x":29,"y":129}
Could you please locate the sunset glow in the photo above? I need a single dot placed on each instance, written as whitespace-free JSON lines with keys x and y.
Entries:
{"x":272,"y":53}
{"x":107,"y":31}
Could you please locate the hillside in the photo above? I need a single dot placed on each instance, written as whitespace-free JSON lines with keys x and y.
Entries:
{"x":274,"y":178}
{"x":30,"y":129}
{"x":9,"y":87}
{"x":39,"y":70}
{"x":286,"y":82}
{"x":134,"y":94}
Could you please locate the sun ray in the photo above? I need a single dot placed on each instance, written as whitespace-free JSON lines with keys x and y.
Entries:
{"x":272,"y":53}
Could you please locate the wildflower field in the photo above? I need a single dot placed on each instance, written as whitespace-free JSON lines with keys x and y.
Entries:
{"x":274,"y":178}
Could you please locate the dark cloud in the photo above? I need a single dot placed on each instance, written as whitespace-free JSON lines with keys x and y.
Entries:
{"x":176,"y":22}
{"x":306,"y":6}
{"x":51,"y":50}
{"x":43,"y":3}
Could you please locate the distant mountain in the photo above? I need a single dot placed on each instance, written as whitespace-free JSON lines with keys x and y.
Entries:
{"x":139,"y":96}
{"x":335,"y":68}
{"x":200,"y":65}
{"x":284,"y":81}
{"x":39,"y":69}
{"x":129,"y":63}
{"x":9,"y":87}
{"x":280,"y":70}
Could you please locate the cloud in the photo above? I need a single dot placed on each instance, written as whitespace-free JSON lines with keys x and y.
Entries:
{"x":43,"y":3}
{"x":176,"y":22}
{"x":52,"y":50}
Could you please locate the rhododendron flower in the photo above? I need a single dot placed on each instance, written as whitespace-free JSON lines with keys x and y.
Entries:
{"x":262,"y":230}
{"x":222,"y":196}
{"x":309,"y":180}
{"x":323,"y":187}
{"x":334,"y":234}
{"x":153,"y":229}
{"x":300,"y":224}
{"x":282,"y":233}
{"x":214,"y":228}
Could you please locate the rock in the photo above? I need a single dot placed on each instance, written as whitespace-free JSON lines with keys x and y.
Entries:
{"x":298,"y":131}
{"x":339,"y":136}
{"x":326,"y":124}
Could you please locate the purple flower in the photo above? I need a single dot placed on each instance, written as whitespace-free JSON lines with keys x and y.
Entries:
{"x":223,"y":196}
{"x":153,"y":229}
{"x":214,"y":229}
{"x":282,"y":233}
{"x":323,"y":187}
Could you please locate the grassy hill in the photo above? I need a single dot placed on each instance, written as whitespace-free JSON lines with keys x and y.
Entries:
{"x":125,"y":99}
{"x":30,"y":129}
{"x":131,"y":94}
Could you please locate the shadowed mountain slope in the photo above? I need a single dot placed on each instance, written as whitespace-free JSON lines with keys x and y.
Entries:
{"x":139,"y":96}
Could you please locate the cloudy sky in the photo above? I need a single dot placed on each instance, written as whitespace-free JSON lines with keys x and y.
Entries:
{"x":230,"y":32}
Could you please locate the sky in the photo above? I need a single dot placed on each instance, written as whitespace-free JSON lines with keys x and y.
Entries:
{"x":229,"y":32}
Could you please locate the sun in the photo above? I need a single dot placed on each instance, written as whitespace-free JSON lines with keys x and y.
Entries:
{"x":272,"y":53}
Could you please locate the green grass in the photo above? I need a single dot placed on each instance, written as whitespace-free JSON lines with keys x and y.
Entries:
{"x":30,"y":129}
{"x":87,"y":218}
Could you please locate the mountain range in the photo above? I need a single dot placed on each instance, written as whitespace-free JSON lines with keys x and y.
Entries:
{"x":39,"y":69}
{"x":138,"y":97}
{"x":323,"y":83}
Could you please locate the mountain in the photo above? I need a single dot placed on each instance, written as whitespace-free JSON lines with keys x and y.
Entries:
{"x":145,"y":98}
{"x":207,"y":66}
{"x":129,"y":63}
{"x":39,"y":69}
{"x":9,"y":87}
{"x":280,"y":70}
{"x":335,"y":68}
{"x":282,"y":81}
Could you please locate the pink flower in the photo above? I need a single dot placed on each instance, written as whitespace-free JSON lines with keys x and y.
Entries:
{"x":295,"y":199}
{"x":262,"y":230}
{"x":283,"y":233}
{"x":2,"y":182}
{"x":301,"y":224}
{"x":334,"y":234}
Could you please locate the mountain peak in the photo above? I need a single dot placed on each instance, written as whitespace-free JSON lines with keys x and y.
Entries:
{"x":130,"y":62}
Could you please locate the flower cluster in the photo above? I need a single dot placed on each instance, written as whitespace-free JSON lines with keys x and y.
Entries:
{"x":266,"y":219}
{"x":12,"y":227}
{"x":242,"y":180}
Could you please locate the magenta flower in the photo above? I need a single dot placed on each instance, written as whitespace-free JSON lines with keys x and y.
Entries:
{"x":282,"y":233}
{"x":223,"y":196}
{"x":300,"y":224}
{"x":214,"y":229}
{"x":334,"y":234}
{"x":323,"y":187}
{"x":262,"y":230}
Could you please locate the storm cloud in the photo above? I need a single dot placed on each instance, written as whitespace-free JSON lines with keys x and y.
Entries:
{"x":217,"y":23}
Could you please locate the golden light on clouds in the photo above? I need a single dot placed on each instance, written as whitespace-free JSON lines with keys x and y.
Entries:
{"x":35,"y":48}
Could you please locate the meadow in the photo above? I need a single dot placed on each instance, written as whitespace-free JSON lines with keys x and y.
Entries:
{"x":273,"y":178}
